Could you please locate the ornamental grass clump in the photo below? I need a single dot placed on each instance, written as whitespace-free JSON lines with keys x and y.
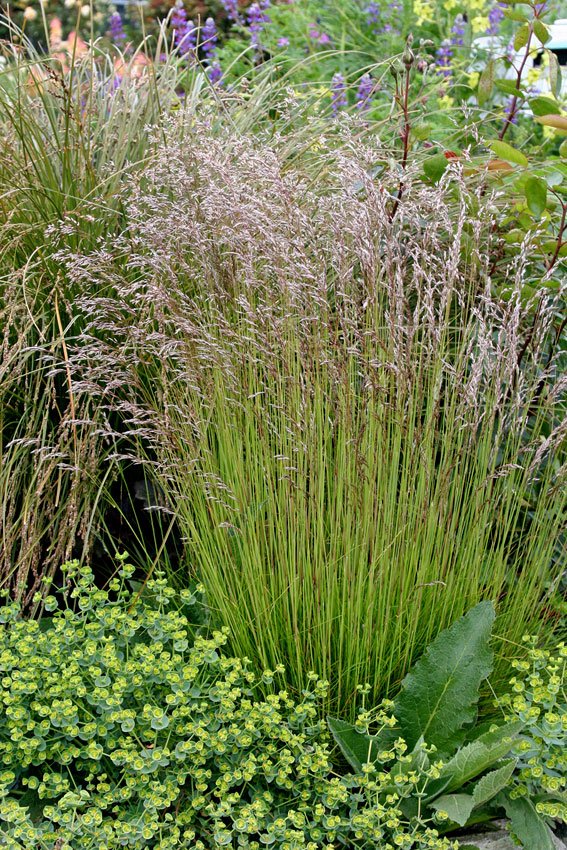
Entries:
{"x":122,"y":726}
{"x":355,"y":414}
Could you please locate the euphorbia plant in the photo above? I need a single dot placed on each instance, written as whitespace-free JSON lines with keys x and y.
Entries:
{"x":467,"y":774}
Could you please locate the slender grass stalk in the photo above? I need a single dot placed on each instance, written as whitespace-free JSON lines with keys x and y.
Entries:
{"x":335,"y":404}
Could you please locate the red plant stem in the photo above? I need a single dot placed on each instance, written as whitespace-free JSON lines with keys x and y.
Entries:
{"x":405,"y":138}
{"x":512,"y":113}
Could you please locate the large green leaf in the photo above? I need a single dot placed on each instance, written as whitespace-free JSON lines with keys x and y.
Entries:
{"x":358,"y":749}
{"x":458,"y":806}
{"x":439,"y":695}
{"x":526,"y":824}
{"x":474,"y":758}
{"x":492,"y":783}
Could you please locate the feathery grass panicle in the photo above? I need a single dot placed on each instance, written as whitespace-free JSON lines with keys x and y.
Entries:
{"x":356,"y":438}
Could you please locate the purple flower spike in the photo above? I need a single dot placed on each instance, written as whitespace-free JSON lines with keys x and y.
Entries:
{"x":372,"y":12}
{"x":257,"y":19}
{"x":339,"y":96}
{"x":232,"y":12}
{"x":444,"y":57}
{"x":209,"y":38}
{"x":495,"y":17}
{"x":117,"y":34}
{"x":184,"y":33}
{"x":215,"y":73}
{"x":283,"y":41}
{"x":457,"y":31}
{"x":364,"y":92}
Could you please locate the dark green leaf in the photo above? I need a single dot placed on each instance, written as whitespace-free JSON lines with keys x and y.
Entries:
{"x":434,"y":167}
{"x":526,"y":824}
{"x":439,"y":695}
{"x":356,"y":747}
{"x":457,"y":806}
{"x":474,"y":758}
{"x":536,"y":195}
{"x":492,"y":783}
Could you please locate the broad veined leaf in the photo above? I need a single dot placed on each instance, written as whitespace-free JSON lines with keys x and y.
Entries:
{"x":475,"y":758}
{"x":492,"y":783}
{"x":458,"y":806}
{"x":439,"y":695}
{"x":526,"y":824}
{"x":486,"y":82}
{"x":535,"y":191}
{"x":357,"y":748}
{"x":507,"y":152}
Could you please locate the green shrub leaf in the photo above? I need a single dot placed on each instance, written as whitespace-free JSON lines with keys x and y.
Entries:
{"x":440,"y":694}
{"x":476,"y":757}
{"x":536,"y":195}
{"x":526,"y":824}
{"x":356,"y":747}
{"x":494,"y":782}
{"x":434,"y":167}
{"x":457,"y":806}
{"x":522,"y":36}
{"x":544,"y":106}
{"x":541,"y":32}
{"x":507,"y":152}
{"x":554,"y":73}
